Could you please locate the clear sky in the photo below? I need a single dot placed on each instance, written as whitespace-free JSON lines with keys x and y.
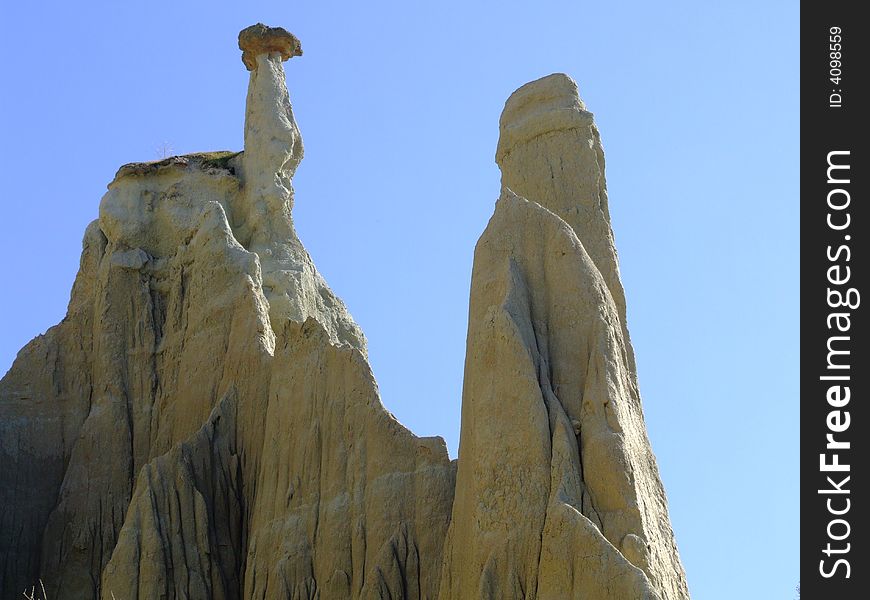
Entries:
{"x":398,"y":103}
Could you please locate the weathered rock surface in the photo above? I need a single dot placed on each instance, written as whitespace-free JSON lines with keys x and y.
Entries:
{"x":349,"y":503}
{"x":549,"y":150}
{"x":261,"y":39}
{"x":567,"y":463}
{"x":204,"y":422}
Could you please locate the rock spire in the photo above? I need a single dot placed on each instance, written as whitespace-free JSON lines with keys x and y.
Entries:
{"x":558,"y":493}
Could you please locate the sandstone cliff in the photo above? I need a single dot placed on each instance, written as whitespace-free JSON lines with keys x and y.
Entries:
{"x":204,"y":422}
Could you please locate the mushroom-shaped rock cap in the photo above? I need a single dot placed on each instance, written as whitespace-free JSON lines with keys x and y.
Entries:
{"x":262,"y":39}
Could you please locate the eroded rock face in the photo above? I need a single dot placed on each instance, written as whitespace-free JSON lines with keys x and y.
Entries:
{"x":349,"y":504}
{"x":567,"y":463}
{"x":205,"y":386}
{"x":204,"y":422}
{"x":549,"y":151}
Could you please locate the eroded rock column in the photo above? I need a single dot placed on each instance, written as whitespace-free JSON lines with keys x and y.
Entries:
{"x":549,"y":151}
{"x":262,"y":219}
{"x":557,"y":494}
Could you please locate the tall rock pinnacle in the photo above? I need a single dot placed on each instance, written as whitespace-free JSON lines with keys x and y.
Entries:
{"x":549,"y":151}
{"x":273,"y":144}
{"x":557,"y":493}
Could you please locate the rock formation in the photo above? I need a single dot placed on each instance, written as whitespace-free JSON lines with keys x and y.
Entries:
{"x":567,"y":464}
{"x":204,"y":422}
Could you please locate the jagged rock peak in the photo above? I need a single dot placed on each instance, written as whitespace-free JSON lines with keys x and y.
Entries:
{"x":262,"y":39}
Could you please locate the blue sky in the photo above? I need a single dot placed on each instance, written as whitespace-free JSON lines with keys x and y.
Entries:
{"x":398,"y":104}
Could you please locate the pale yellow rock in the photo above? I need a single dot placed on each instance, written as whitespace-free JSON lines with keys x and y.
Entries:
{"x":204,"y":423}
{"x":549,"y":151}
{"x":44,"y":399}
{"x":184,"y":530}
{"x":273,"y":150}
{"x":349,"y":503}
{"x":558,"y":494}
